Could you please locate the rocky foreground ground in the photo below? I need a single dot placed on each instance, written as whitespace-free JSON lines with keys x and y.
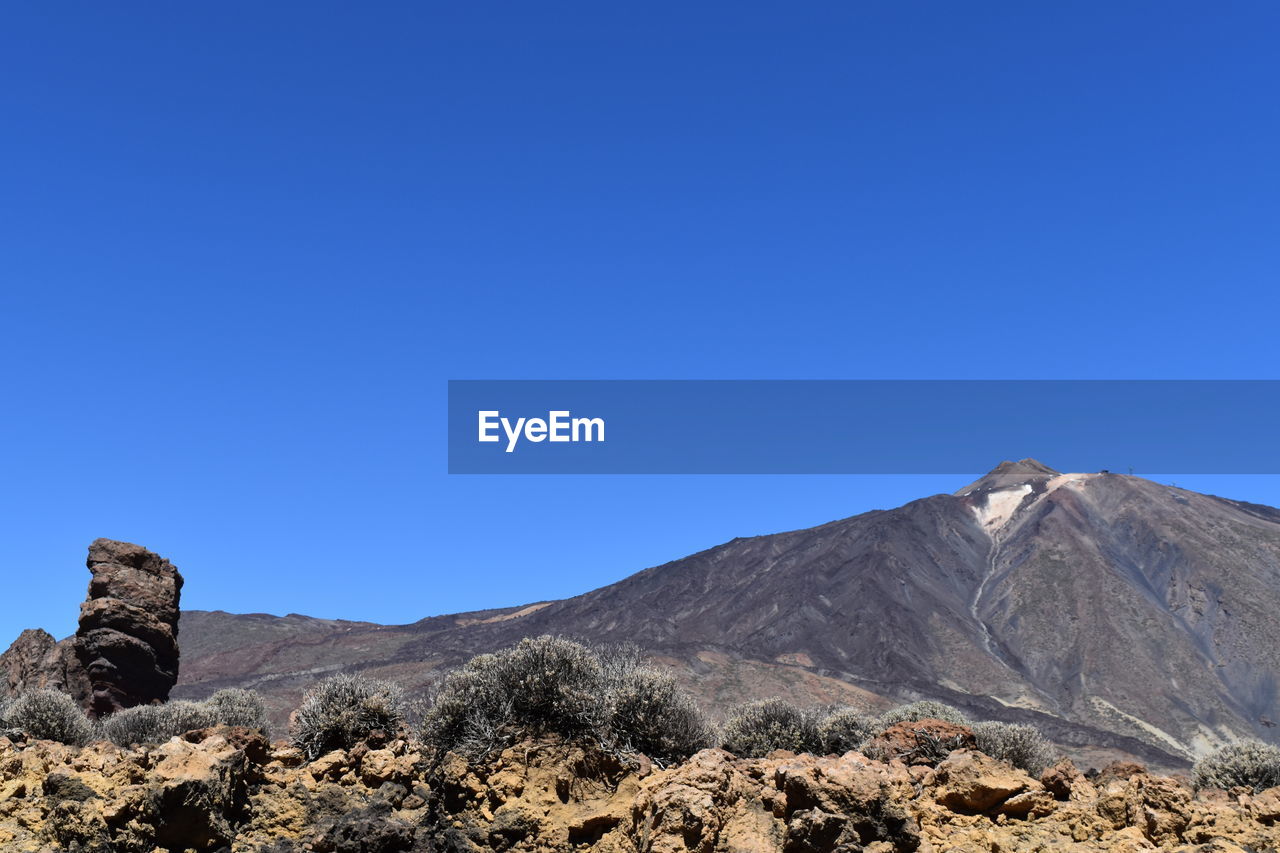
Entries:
{"x":228,"y":789}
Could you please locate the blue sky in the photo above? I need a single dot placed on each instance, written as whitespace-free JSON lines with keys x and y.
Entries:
{"x":245,"y":245}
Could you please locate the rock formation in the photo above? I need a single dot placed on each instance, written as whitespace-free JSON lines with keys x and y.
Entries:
{"x":37,"y":660}
{"x":228,"y":789}
{"x":125,"y":651}
{"x":127,"y":641}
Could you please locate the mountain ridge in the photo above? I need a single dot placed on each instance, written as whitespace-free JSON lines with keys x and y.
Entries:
{"x":1117,"y":613}
{"x":1124,"y":617}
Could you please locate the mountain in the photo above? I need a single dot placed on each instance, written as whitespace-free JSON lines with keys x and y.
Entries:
{"x":1120,"y":615}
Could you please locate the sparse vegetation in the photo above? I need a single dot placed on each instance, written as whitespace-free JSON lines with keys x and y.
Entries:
{"x":846,"y":729}
{"x":757,"y":728}
{"x":544,"y":685}
{"x":237,"y":707}
{"x":1021,"y":745}
{"x":551,"y":685}
{"x":1249,"y":764}
{"x":48,"y":715}
{"x":341,"y":711}
{"x":652,"y":715}
{"x":916,"y":711}
{"x":147,"y":724}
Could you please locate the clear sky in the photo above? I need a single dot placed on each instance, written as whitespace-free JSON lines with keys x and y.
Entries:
{"x":244,"y":245}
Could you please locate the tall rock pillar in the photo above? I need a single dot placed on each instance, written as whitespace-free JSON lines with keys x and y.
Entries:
{"x":127,"y":641}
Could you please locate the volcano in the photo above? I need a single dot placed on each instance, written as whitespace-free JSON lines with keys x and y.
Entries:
{"x":1120,"y":615}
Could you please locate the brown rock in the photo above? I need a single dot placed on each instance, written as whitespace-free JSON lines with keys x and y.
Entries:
{"x":970,"y":782}
{"x":1065,"y":781}
{"x":205,"y":791}
{"x":1118,"y":770}
{"x":127,"y":641}
{"x":1028,"y":804}
{"x":1265,"y":805}
{"x":35,"y":660}
{"x":925,"y":742}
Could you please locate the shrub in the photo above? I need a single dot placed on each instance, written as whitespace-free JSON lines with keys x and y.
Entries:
{"x":651,"y":714}
{"x":916,"y":711}
{"x":236,"y":707}
{"x":554,"y":686}
{"x":1250,"y":764}
{"x":846,"y":729}
{"x":49,"y":715}
{"x":756,"y":728}
{"x":341,"y":711}
{"x":138,"y":725}
{"x":543,"y":685}
{"x":1021,"y":745}
{"x":147,"y":724}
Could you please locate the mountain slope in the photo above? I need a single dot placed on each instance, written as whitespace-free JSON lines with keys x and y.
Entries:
{"x":1113,"y":611}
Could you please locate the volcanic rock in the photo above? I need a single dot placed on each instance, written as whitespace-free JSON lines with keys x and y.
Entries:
{"x":37,"y":661}
{"x":227,"y":789}
{"x":924,"y":742}
{"x":127,"y":641}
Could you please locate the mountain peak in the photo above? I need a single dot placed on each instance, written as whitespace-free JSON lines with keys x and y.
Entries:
{"x":1024,"y":467}
{"x":1009,"y":473}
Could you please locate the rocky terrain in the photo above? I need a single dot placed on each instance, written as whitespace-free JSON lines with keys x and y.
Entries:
{"x":1121,"y":616}
{"x":228,"y":789}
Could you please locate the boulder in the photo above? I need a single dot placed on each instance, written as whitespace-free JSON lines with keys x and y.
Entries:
{"x":971,"y":783}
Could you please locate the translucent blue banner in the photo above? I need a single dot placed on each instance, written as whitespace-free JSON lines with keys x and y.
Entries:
{"x":861,"y":426}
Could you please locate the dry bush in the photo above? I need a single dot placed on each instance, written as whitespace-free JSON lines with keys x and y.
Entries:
{"x":344,"y":710}
{"x":1248,"y":764}
{"x":846,"y":729}
{"x":48,"y":715}
{"x":1021,"y":745}
{"x":147,"y":724}
{"x":755,"y":729}
{"x":236,"y":707}
{"x":916,"y":711}
{"x":651,"y":714}
{"x":546,"y":685}
{"x":543,"y":685}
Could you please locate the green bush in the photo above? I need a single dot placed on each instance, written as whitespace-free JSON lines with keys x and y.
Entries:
{"x":1021,"y":745}
{"x":1249,"y":764}
{"x":916,"y":711}
{"x":344,"y":710}
{"x":651,"y":714}
{"x":49,"y":715}
{"x":236,"y":707}
{"x":755,"y":729}
{"x":845,"y":730}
